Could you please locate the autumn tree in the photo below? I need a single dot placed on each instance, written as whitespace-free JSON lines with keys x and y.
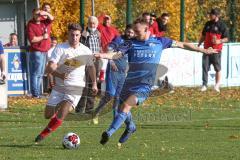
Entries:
{"x":66,"y":11}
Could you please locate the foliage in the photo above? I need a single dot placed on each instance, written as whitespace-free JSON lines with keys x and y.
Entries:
{"x":66,"y":11}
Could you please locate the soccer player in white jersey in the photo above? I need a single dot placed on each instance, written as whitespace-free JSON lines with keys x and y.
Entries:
{"x":67,"y":64}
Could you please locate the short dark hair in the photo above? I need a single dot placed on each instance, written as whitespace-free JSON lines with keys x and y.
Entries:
{"x":215,"y":11}
{"x":165,"y":15}
{"x":46,"y":4}
{"x":129,"y":26}
{"x":146,"y":14}
{"x":13,"y":34}
{"x":74,"y":26}
{"x":141,"y":21}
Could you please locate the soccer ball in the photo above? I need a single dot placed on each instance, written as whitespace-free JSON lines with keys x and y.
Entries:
{"x":71,"y":141}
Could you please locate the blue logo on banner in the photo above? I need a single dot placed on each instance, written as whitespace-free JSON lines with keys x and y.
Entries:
{"x":17,"y":77}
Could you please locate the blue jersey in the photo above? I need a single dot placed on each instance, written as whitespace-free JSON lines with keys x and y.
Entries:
{"x":1,"y":48}
{"x":117,"y":45}
{"x":143,"y":59}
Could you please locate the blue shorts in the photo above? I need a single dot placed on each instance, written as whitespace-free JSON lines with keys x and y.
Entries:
{"x":141,"y":92}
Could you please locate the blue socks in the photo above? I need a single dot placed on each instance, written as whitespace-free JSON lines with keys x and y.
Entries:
{"x":119,"y":118}
{"x":117,"y":122}
{"x":129,"y":122}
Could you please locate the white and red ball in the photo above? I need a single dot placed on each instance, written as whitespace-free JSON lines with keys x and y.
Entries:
{"x":71,"y":141}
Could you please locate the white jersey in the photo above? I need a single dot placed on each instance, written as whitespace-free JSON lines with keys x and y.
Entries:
{"x":71,"y":61}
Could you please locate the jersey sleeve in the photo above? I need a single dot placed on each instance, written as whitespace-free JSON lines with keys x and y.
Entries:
{"x":1,"y":48}
{"x":166,"y":42}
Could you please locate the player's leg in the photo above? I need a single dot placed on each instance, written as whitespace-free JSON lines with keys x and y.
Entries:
{"x":119,"y":118}
{"x":205,"y":69}
{"x":217,"y":67}
{"x":56,"y":120}
{"x":130,"y":126}
{"x":65,"y":104}
{"x":50,"y":111}
{"x":52,"y":104}
{"x":82,"y":102}
{"x":120,"y":81}
{"x":111,"y":82}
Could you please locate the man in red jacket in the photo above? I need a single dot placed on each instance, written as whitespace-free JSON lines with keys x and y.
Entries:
{"x":38,"y":31}
{"x":214,"y":34}
{"x":107,"y":32}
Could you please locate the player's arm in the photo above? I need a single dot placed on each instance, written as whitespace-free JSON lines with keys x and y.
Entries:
{"x":192,"y":47}
{"x":92,"y":74}
{"x":52,"y":69}
{"x":109,"y":55}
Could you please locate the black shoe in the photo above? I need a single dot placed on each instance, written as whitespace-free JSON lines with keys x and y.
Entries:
{"x":39,"y":138}
{"x":105,"y":138}
{"x":126,"y":134}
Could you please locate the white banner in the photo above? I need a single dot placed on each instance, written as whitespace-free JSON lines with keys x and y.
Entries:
{"x":185,"y":67}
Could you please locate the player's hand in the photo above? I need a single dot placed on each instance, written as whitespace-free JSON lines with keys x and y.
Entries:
{"x":94,"y":88}
{"x":114,"y":67}
{"x":210,"y":50}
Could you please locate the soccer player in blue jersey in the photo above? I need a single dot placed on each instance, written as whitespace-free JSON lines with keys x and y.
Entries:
{"x":115,"y":74}
{"x":143,"y":58}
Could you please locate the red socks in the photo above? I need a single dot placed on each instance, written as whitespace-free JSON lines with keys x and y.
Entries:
{"x":52,"y":126}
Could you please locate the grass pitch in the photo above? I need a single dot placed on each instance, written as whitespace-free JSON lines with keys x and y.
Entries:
{"x":185,"y":125}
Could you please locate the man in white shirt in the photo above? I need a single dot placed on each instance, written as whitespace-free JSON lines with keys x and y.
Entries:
{"x":67,"y":64}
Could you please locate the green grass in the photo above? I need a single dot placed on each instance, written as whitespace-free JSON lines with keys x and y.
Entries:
{"x":182,"y":128}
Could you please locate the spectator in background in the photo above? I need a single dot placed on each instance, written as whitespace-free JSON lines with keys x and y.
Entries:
{"x":13,"y":40}
{"x":53,"y":45}
{"x":153,"y":17}
{"x":107,"y":33}
{"x":2,"y":63}
{"x":46,"y":7}
{"x":162,"y":24}
{"x":91,"y":38}
{"x":153,"y":26}
{"x":214,"y":34}
{"x":38,"y":31}
{"x":50,"y":82}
